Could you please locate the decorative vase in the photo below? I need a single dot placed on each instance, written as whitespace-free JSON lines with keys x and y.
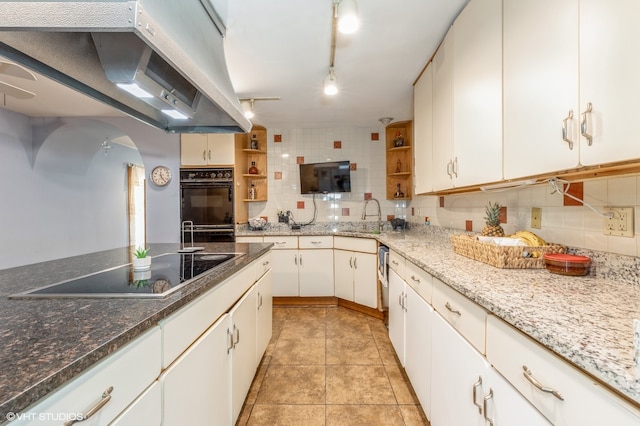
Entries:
{"x":253,"y":170}
{"x":141,"y":263}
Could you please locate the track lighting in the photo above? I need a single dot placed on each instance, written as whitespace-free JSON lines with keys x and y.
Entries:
{"x":348,"y":21}
{"x":247,"y":108}
{"x":330,"y":83}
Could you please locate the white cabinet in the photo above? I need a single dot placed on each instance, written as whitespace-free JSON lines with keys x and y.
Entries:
{"x":195,"y":389}
{"x":580,"y":400}
{"x":477,"y":94}
{"x":397,"y":332}
{"x":423,"y":131}
{"x":127,"y":373}
{"x":146,"y":409}
{"x":264,"y":319}
{"x":443,"y":151}
{"x":461,"y":381}
{"x":540,"y":85}
{"x":199,"y":149}
{"x":609,"y":33}
{"x":356,"y":270}
{"x":243,"y":320}
{"x":284,"y":257}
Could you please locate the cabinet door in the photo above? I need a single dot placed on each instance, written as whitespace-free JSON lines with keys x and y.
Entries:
{"x":195,"y":388}
{"x":609,"y":79}
{"x":443,"y":155}
{"x":396,"y":314}
{"x":285,"y":272}
{"x":145,"y":410}
{"x":418,"y":347}
{"x":221,"y":149}
{"x":540,"y":85}
{"x":423,"y":131}
{"x":455,"y":368}
{"x":477,"y":100}
{"x":243,"y":319}
{"x":365,"y":279}
{"x":315,"y":273}
{"x":343,"y":277}
{"x":264,"y":327}
{"x":193,"y":149}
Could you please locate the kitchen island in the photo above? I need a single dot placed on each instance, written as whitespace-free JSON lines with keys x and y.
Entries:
{"x":587,"y":321}
{"x":47,"y":342}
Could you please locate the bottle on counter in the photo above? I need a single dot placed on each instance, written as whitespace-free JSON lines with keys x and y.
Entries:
{"x":252,"y":192}
{"x":253,"y":170}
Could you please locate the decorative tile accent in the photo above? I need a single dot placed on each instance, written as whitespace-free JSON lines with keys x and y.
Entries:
{"x":375,"y":136}
{"x":468,"y":224}
{"x":277,"y":175}
{"x":277,"y":138}
{"x":367,"y":196}
{"x":353,"y":166}
{"x":391,"y":216}
{"x":301,"y":204}
{"x":345,"y":211}
{"x":337,"y":144}
{"x":299,"y":160}
{"x":503,"y":214}
{"x":577,"y":190}
{"x":412,"y":211}
{"x":441,"y":201}
{"x":265,"y":218}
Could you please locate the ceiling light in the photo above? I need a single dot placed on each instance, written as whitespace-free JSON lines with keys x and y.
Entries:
{"x":247,"y":108}
{"x":385,"y":120}
{"x":135,"y":90}
{"x":348,"y":21}
{"x":330,"y":83}
{"x":175,"y":114}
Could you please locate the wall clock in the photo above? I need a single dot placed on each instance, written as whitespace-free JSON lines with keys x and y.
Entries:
{"x":161,"y":175}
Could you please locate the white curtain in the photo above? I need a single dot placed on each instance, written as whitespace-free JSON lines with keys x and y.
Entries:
{"x":137,"y":206}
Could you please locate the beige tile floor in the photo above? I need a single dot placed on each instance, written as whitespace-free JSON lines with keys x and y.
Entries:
{"x":330,"y":366}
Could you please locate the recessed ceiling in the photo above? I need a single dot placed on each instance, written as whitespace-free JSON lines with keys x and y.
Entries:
{"x":283,"y":50}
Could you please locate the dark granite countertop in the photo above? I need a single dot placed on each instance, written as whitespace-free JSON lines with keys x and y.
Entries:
{"x":46,"y":342}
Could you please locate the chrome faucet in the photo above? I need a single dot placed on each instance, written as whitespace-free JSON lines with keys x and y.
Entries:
{"x":365,"y":215}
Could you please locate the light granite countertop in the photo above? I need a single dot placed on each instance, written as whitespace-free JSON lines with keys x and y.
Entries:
{"x":44,"y":343}
{"x":588,"y":320}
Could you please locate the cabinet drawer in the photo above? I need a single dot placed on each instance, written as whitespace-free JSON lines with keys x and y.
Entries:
{"x":129,"y":371}
{"x":282,"y":242}
{"x":365,"y":245}
{"x":420,"y":280}
{"x":463,"y":314}
{"x":262,"y":265}
{"x":243,"y":239}
{"x":397,"y":263}
{"x":585,"y":401}
{"x":315,"y":242}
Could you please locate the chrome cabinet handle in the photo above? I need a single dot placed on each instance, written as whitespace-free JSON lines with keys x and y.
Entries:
{"x":584,"y":125}
{"x":209,"y":154}
{"x":316,"y":243}
{"x":106,"y":397}
{"x":413,"y":277}
{"x":236,"y":332}
{"x":565,"y":129}
{"x":404,"y":301}
{"x":265,"y":263}
{"x":300,"y":260}
{"x":476,"y":385}
{"x":394,"y":262}
{"x":351,"y":262}
{"x":204,"y":154}
{"x":454,"y":168}
{"x":355,"y":263}
{"x":485,"y":404}
{"x":229,"y":341}
{"x":529,"y":376}
{"x":295,"y":259}
{"x":400,"y":300}
{"x":453,"y":311}
{"x":449,"y":169}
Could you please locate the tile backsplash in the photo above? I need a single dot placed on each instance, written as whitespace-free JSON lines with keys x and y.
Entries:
{"x":575,"y":226}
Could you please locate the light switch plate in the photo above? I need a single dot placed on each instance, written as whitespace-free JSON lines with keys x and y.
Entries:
{"x":621,"y":222}
{"x":536,"y":217}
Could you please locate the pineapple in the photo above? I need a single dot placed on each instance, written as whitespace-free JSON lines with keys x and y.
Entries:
{"x":493,"y":228}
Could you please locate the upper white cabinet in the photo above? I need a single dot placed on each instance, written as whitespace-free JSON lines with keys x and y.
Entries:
{"x":540,"y":86}
{"x":477,"y":94}
{"x":609,"y":70}
{"x":199,"y":149}
{"x":423,"y":131}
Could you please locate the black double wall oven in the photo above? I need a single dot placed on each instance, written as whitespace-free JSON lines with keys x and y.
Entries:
{"x":207,"y":197}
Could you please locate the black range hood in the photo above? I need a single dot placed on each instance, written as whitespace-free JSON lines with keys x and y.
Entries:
{"x":172,"y":50}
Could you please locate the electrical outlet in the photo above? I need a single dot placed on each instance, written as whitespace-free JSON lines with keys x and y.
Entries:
{"x":536,"y":217}
{"x":621,"y":222}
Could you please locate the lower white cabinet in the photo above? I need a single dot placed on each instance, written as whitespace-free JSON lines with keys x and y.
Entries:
{"x":397,"y":333}
{"x":467,"y":391}
{"x":355,"y":263}
{"x":194,"y":386}
{"x":145,"y":410}
{"x":578,"y":400}
{"x":264,"y":319}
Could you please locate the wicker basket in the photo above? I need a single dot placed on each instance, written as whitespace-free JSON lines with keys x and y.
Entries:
{"x":502,"y":256}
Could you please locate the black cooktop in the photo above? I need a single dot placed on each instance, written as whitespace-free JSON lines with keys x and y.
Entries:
{"x":168,"y":273}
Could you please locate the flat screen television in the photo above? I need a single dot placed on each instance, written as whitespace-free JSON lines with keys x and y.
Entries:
{"x":327,"y":177}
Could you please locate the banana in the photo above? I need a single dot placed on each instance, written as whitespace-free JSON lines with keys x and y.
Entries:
{"x":529,"y":238}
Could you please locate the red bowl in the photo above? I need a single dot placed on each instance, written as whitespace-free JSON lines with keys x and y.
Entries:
{"x":567,"y":264}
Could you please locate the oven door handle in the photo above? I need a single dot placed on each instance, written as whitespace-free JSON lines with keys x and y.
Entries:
{"x":230,"y":193}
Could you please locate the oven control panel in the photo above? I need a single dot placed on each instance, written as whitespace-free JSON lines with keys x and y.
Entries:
{"x":206,"y":175}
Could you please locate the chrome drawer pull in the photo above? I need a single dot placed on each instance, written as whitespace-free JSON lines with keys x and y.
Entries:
{"x":485,"y":404}
{"x":584,"y":125}
{"x":106,"y":397}
{"x":413,"y":277}
{"x":476,"y":385}
{"x":265,"y":263}
{"x":453,"y":311}
{"x":565,"y":129}
{"x":394,"y":262}
{"x":529,"y":376}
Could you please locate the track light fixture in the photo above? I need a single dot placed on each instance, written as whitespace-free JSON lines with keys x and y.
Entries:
{"x":247,"y":108}
{"x":348,"y":21}
{"x":330,"y":83}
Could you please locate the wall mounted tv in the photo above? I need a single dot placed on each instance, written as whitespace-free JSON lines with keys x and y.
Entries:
{"x":323,"y":178}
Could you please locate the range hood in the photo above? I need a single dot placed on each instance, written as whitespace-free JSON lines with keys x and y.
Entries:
{"x":172,"y":50}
